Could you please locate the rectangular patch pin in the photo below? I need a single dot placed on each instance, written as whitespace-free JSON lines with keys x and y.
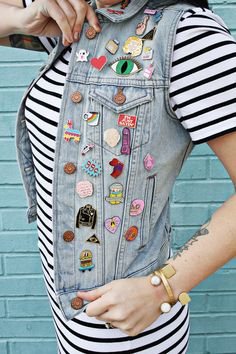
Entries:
{"x":124,"y":120}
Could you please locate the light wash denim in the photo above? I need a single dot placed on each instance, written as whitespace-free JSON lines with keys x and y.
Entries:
{"x":158,"y":133}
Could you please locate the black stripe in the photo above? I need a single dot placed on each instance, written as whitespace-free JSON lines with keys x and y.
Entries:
{"x":207,"y":28}
{"x":45,"y":225}
{"x":202,"y":82}
{"x":47,"y":239}
{"x":43,"y":200}
{"x":205,"y":95}
{"x":192,"y":40}
{"x":45,"y":269}
{"x":210,"y":137}
{"x":109,"y":340}
{"x":63,"y":60}
{"x":212,"y":122}
{"x":56,"y":70}
{"x":43,"y":132}
{"x":40,"y":142}
{"x":42,"y":175}
{"x":51,"y":93}
{"x":201,"y":51}
{"x":44,"y":212}
{"x":208,"y":109}
{"x":41,"y":152}
{"x":51,"y":42}
{"x":210,"y":18}
{"x":51,"y":81}
{"x":24,"y":3}
{"x":42,"y":187}
{"x":43,"y":118}
{"x":45,"y":48}
{"x":44,"y":104}
{"x":42,"y":164}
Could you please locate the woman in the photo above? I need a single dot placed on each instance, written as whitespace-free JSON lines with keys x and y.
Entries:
{"x":130,"y":126}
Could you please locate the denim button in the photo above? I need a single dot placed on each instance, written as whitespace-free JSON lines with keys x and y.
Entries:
{"x":119,"y":98}
{"x":68,"y":236}
{"x":76,"y":97}
{"x":76,"y":303}
{"x":69,"y":168}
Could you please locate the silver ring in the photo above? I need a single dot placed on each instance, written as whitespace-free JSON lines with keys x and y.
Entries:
{"x":108,"y":325}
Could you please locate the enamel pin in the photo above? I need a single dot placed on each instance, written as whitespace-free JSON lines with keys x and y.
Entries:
{"x":71,"y":133}
{"x":131,"y":233}
{"x":93,"y":239}
{"x":87,"y":148}
{"x":133,"y":46}
{"x":91,"y":118}
{"x":125,"y":148}
{"x":112,"y":46}
{"x":86,"y":260}
{"x":112,"y":224}
{"x":92,"y":167}
{"x":124,"y":120}
{"x":84,"y":189}
{"x":141,"y":26}
{"x":86,"y":216}
{"x":82,"y":55}
{"x":136,"y":207}
{"x":115,"y":194}
{"x":99,"y":63}
{"x":117,"y":167}
{"x":149,"y":162}
{"x":111,"y":137}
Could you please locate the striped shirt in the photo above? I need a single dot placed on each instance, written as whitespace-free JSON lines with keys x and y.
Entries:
{"x":202,"y":78}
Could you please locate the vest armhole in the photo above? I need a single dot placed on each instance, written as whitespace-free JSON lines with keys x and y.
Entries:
{"x":169,"y":57}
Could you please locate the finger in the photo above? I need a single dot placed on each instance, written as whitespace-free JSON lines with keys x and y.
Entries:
{"x":97,"y":307}
{"x":58,"y":15}
{"x":80,"y":9}
{"x":92,"y":295}
{"x":69,"y":12}
{"x":92,"y":19}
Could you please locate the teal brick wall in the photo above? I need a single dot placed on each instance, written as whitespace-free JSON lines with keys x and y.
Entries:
{"x":25,"y":319}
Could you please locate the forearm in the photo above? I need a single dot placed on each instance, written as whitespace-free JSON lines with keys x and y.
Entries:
{"x":209,"y":249}
{"x":11,"y":17}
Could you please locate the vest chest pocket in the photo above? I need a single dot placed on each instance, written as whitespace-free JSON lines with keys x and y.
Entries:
{"x":134,"y":113}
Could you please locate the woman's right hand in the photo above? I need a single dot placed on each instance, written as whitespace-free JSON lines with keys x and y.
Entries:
{"x":51,"y":18}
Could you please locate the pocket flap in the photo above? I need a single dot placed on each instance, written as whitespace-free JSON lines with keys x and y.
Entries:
{"x":135,"y":96}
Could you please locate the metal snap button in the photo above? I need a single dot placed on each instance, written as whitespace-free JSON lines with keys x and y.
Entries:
{"x":76,"y":97}
{"x":69,"y":168}
{"x":68,"y":236}
{"x":76,"y":303}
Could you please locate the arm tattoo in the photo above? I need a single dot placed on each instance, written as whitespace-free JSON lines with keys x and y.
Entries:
{"x":26,"y":42}
{"x":201,"y":232}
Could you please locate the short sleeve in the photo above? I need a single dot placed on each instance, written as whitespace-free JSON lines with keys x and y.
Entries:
{"x":202,"y":89}
{"x":47,"y":42}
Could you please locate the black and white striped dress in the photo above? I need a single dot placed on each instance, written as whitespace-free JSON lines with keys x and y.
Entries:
{"x":202,"y":94}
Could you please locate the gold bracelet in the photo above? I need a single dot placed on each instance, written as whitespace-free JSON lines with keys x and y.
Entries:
{"x":167,"y":286}
{"x":168,"y":271}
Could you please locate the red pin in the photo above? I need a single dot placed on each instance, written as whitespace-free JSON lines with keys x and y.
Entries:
{"x":99,"y":63}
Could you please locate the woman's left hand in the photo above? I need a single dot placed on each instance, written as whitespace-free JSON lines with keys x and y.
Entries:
{"x":128,"y":304}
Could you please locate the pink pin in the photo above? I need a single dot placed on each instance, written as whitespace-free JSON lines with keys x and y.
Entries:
{"x":112,"y":224}
{"x":136,"y":207}
{"x":148,"y":162}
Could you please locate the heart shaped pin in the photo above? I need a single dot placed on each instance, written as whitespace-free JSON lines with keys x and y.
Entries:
{"x":99,"y":63}
{"x":112,"y":224}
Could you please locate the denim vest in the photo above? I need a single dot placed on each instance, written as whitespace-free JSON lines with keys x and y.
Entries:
{"x":121,"y":228}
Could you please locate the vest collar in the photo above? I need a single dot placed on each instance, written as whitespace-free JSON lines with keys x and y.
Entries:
{"x":131,"y":10}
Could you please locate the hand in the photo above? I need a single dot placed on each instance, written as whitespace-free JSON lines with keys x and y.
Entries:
{"x":52,"y":17}
{"x":130,"y":304}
